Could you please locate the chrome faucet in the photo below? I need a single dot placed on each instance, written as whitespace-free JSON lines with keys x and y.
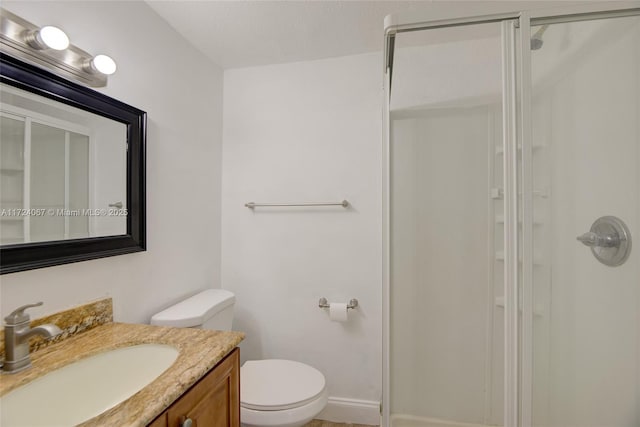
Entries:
{"x":16,"y":338}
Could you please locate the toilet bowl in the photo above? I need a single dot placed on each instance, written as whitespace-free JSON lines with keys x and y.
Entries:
{"x":280,"y":393}
{"x":273,"y":392}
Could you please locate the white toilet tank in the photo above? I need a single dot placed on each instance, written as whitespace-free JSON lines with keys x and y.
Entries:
{"x":210,"y":309}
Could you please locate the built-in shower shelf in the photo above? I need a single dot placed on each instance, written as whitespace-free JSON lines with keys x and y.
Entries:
{"x":535,"y":147}
{"x":497,"y":193}
{"x":499,"y":256}
{"x":500,"y":220}
{"x":537,"y":311}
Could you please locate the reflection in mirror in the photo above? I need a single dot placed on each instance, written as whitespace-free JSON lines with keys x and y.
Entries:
{"x":53,"y":187}
{"x":72,"y":171}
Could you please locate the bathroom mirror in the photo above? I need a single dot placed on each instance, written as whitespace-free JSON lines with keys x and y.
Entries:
{"x":72,"y":171}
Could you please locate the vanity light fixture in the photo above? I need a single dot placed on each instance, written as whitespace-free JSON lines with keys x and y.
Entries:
{"x":48,"y":47}
{"x":101,"y":64}
{"x":48,"y":37}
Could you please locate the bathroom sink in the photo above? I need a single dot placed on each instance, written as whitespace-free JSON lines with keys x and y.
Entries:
{"x":84,"y":389}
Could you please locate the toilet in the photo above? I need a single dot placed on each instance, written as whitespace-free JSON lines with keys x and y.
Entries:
{"x":273,"y":392}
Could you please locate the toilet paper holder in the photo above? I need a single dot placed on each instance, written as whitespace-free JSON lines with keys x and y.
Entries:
{"x":323,"y":303}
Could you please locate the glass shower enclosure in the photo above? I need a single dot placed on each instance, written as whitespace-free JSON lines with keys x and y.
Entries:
{"x":512,"y":202}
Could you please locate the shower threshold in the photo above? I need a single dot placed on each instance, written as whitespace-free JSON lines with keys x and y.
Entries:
{"x":402,"y":420}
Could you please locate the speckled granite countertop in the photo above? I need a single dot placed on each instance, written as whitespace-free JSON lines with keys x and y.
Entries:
{"x":200,"y":350}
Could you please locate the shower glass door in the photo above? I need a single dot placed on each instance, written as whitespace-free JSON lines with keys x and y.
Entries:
{"x":544,"y":332}
{"x":585,"y":159}
{"x":446,"y":228}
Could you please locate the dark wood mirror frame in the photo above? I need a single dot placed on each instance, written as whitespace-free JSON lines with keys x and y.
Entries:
{"x":27,"y":256}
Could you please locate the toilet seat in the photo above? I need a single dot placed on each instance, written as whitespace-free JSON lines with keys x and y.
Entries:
{"x":276,"y":385}
{"x":295,"y":417}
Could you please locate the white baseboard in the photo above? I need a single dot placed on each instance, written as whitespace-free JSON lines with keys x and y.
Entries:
{"x":341,"y":410}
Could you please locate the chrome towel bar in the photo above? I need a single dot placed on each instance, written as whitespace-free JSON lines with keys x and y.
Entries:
{"x":323,"y":303}
{"x":252,"y":205}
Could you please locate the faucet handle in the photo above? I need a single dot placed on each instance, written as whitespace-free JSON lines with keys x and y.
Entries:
{"x":18,"y":315}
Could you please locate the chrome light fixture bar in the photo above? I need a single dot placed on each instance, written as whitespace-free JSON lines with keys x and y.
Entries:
{"x":49,"y":47}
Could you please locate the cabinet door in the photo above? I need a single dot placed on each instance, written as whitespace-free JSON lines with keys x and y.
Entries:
{"x":161,"y":421}
{"x":214,"y":401}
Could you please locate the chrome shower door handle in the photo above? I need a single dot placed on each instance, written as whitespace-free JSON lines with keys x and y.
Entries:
{"x":589,"y":238}
{"x":609,"y":240}
{"x":593,"y":239}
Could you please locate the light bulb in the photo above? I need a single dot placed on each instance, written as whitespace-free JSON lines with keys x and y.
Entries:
{"x":52,"y":38}
{"x":103,"y":64}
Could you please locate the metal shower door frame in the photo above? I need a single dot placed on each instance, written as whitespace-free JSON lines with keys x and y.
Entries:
{"x":518,"y":193}
{"x":509,"y":23}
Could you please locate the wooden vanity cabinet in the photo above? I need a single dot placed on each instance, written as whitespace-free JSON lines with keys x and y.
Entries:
{"x":214,"y":401}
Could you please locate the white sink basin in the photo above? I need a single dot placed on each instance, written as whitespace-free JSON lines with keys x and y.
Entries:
{"x":84,"y":389}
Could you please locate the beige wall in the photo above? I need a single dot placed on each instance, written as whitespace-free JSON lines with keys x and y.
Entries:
{"x":307,"y":131}
{"x":181,"y":91}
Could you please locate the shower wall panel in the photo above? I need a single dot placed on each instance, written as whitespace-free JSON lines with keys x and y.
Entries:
{"x":441,"y":275}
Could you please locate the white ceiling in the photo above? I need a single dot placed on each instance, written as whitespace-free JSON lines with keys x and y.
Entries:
{"x":239,"y":33}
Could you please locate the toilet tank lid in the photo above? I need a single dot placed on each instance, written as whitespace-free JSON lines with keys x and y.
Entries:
{"x":196,"y":310}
